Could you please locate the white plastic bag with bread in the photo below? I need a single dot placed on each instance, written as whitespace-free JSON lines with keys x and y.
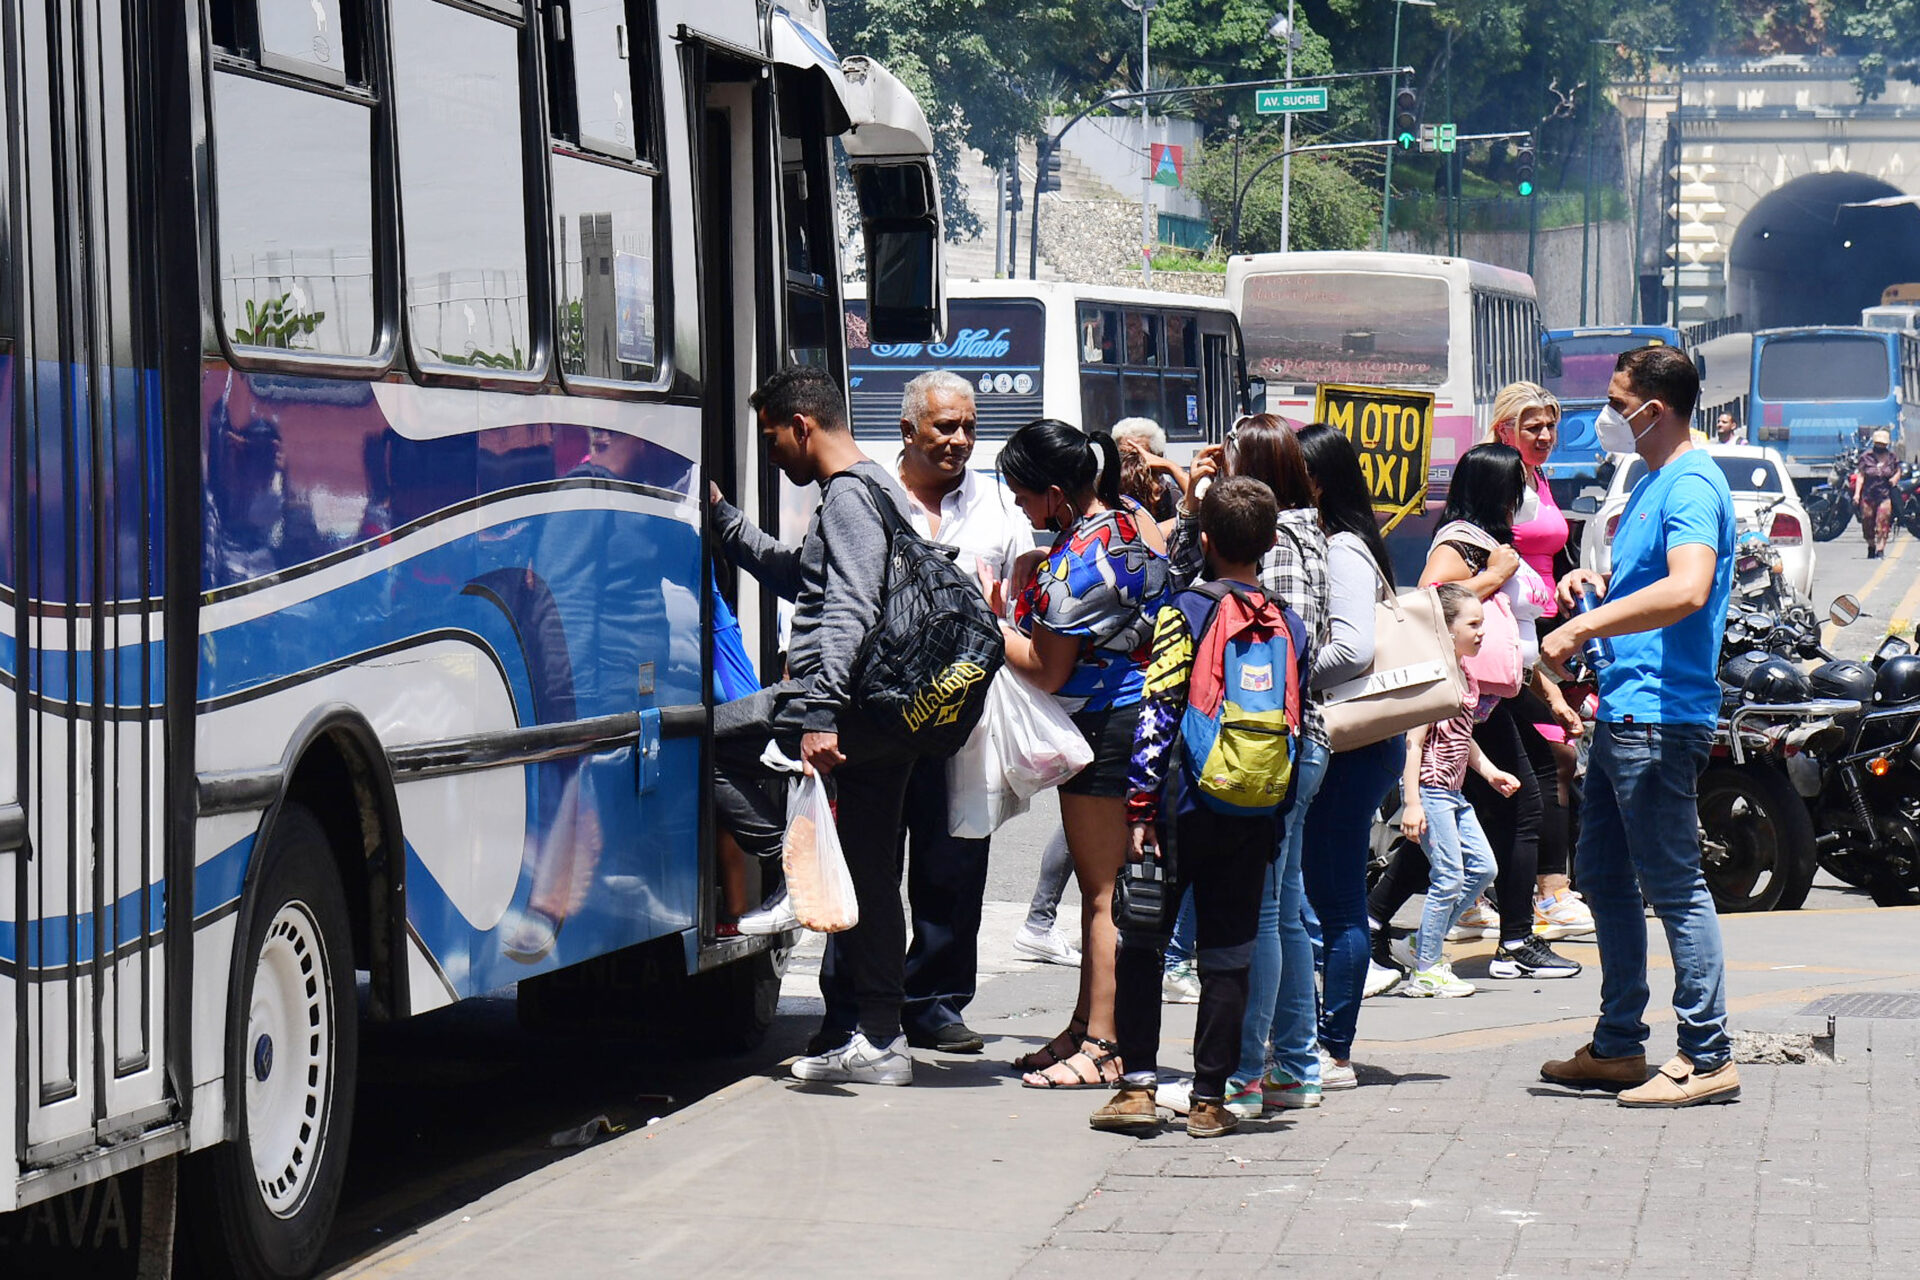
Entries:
{"x":818,"y":883}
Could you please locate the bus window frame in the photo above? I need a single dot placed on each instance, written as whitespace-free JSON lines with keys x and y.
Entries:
{"x":375,"y":94}
{"x":650,"y":163}
{"x":536,"y":202}
{"x":1161,"y":370}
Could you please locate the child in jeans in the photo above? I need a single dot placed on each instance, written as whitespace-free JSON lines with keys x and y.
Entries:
{"x":1221,"y":855}
{"x":1436,"y":816}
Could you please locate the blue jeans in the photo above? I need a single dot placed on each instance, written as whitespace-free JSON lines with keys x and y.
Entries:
{"x":1459,"y":866}
{"x":1280,"y":1004}
{"x":1180,"y":941}
{"x":1640,"y":837}
{"x":1334,"y":866}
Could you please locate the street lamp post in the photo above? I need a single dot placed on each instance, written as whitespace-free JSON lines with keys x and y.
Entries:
{"x":1283,"y":29}
{"x":1149,"y":233}
{"x":1233,"y":124}
{"x":1393,"y":85}
{"x":1640,"y":175}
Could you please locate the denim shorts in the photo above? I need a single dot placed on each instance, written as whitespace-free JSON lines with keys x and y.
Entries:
{"x":1110,"y":734}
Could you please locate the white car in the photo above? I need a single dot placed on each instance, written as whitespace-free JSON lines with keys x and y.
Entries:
{"x":1763,"y":498}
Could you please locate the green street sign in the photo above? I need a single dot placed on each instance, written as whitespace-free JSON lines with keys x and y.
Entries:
{"x":1273,"y":102}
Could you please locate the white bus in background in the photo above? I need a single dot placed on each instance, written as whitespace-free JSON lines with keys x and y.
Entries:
{"x":1458,"y":328}
{"x":1085,"y":354}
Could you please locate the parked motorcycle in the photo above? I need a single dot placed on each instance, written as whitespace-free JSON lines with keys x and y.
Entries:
{"x":1830,"y":503}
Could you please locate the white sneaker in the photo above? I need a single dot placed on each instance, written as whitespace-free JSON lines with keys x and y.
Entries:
{"x":1380,"y":980}
{"x":1437,"y":981}
{"x":775,"y":915}
{"x":1479,"y":921}
{"x":859,"y":1062}
{"x":1335,"y":1076}
{"x":1561,"y":915}
{"x":1180,"y":984}
{"x":1051,"y":947}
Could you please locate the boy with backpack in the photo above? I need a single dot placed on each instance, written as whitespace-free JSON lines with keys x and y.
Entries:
{"x":1212,"y":766}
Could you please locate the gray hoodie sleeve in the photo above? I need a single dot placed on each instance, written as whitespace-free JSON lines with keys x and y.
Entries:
{"x":775,"y":566}
{"x":855,"y":539}
{"x":1353,"y":585}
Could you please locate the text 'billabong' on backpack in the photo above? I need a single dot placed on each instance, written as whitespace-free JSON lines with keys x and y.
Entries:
{"x":1243,"y":704}
{"x":922,"y":674}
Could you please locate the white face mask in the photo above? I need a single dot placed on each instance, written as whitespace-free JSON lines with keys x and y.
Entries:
{"x":1615,"y":429}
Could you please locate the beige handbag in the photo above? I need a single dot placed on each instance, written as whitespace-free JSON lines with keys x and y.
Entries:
{"x":1415,"y":677}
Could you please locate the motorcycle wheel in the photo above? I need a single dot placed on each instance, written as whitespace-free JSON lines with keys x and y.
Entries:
{"x":1830,"y":519}
{"x":1848,"y":868}
{"x":1756,"y":839}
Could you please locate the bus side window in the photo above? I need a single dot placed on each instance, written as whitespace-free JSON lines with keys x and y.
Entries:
{"x":601,"y":82}
{"x":293,"y":183}
{"x":1099,"y":335}
{"x":1144,"y":329}
{"x":463,"y":227}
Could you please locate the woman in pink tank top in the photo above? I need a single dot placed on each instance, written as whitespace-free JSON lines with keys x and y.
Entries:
{"x":1527,"y":417}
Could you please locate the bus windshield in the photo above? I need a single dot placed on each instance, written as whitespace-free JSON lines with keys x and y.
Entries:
{"x":1824,"y":367}
{"x":1370,"y":328}
{"x":1586,"y":364}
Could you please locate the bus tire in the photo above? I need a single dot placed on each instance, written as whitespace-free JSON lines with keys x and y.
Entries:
{"x":262,"y":1203}
{"x":728,"y":1010}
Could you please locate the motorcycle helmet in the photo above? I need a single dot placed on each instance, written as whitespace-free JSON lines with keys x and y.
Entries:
{"x":1898,"y":680}
{"x":1777,"y":680}
{"x":1734,"y":672}
{"x":1842,"y":678}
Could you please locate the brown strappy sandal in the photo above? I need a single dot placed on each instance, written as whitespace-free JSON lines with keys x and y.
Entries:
{"x":1056,"y":1050}
{"x":1103,"y":1054}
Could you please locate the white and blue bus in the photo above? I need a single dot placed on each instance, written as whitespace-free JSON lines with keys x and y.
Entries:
{"x":1576,"y":365}
{"x":1816,"y":392}
{"x":362,"y":367}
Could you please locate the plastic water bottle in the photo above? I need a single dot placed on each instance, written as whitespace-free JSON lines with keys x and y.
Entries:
{"x":1597,"y":651}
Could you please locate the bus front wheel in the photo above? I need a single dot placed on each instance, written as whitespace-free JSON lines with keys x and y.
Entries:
{"x":261,"y":1204}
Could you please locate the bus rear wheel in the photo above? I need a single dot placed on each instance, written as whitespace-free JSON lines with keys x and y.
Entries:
{"x":261,"y":1204}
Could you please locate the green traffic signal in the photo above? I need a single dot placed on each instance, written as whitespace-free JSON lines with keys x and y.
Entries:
{"x":1406,"y":141}
{"x":1526,"y":188}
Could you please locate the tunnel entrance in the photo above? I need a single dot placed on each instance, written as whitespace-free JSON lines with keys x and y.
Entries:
{"x":1803,"y":257}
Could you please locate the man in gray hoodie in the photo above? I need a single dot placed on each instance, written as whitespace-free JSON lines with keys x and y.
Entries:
{"x":835,"y":578}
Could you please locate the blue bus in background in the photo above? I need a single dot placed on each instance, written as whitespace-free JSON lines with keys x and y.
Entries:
{"x":1817,"y":392}
{"x":1576,"y":365}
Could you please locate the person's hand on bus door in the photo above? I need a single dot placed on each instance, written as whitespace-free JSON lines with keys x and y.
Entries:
{"x":821,"y":751}
{"x":714,"y":496}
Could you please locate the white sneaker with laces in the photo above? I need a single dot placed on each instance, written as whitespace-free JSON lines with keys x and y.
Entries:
{"x":775,"y":915}
{"x":1380,"y":980}
{"x":859,"y":1062}
{"x":1561,"y":915}
{"x":1051,"y":947}
{"x":1437,"y":981}
{"x":1180,"y":984}
{"x":1478,"y":921}
{"x":1335,"y":1076}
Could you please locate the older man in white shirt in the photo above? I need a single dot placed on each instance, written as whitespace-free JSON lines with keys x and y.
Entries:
{"x":946,"y":875}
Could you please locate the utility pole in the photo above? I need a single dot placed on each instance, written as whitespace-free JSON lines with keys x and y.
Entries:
{"x":1640,"y":177}
{"x":1386,"y":183}
{"x":1586,"y":195}
{"x":1453,"y":235}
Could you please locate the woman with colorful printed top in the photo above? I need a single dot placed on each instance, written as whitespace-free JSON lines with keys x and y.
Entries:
{"x":1438,"y":818}
{"x":1080,"y":630}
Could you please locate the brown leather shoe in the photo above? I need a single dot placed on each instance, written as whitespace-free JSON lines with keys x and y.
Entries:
{"x":1678,"y":1085}
{"x":1587,"y":1070}
{"x":1131,"y":1110}
{"x":1210,"y":1118}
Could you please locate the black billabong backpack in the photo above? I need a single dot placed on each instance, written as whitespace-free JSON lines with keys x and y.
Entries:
{"x":921,"y":676}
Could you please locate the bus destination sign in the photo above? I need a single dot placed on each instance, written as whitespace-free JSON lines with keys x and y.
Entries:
{"x":1392,"y":431}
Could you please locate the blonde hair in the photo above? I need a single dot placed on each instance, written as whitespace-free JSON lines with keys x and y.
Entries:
{"x":1513,"y":402}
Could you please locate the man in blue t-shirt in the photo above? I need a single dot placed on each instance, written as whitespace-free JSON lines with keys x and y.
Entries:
{"x":1639,"y":835}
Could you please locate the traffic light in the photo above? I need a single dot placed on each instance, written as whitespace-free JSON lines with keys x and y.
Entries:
{"x":1406,"y":106}
{"x":1523,"y":167}
{"x":1049,"y":176}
